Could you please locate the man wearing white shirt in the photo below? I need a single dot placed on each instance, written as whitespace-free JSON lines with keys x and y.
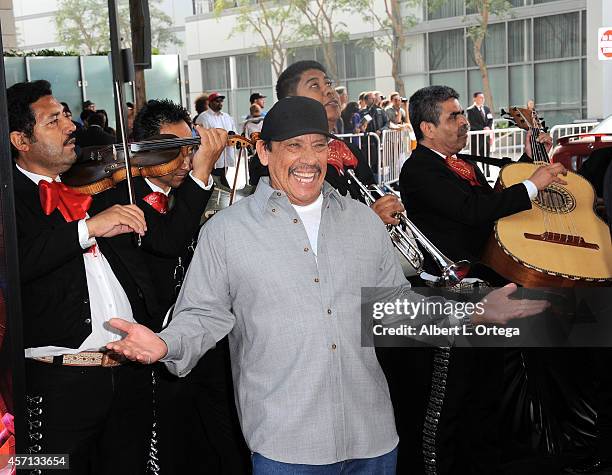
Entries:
{"x":213,"y":118}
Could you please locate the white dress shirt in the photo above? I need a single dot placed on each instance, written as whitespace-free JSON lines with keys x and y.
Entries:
{"x":219,"y":120}
{"x":107,"y":299}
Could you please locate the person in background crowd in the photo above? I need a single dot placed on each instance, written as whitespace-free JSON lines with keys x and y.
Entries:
{"x":395,"y":113}
{"x":94,"y":133}
{"x":480,"y":118}
{"x":201,"y":105}
{"x":343,"y":95}
{"x":531,"y":105}
{"x":84,"y":116}
{"x":260,"y":100}
{"x":378,"y":119}
{"x":215,"y":118}
{"x":361,"y":101}
{"x":68,"y":113}
{"x":352,"y":119}
{"x":107,"y":128}
{"x":254,"y":122}
{"x":89,"y":105}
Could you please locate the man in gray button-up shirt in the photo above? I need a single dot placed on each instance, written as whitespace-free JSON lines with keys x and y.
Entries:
{"x":307,"y":391}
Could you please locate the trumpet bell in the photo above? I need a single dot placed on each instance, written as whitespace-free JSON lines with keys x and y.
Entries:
{"x":456,"y":272}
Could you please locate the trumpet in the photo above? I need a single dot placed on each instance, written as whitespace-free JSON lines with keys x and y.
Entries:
{"x":404,"y":235}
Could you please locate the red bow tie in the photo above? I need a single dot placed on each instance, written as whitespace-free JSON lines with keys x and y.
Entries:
{"x":463,"y":169}
{"x":158,"y":201}
{"x":55,"y":195}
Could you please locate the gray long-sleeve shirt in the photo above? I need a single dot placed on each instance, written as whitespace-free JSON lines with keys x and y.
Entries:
{"x":306,"y":390}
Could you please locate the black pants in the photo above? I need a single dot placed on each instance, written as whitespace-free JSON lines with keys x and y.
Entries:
{"x":199,"y":431}
{"x":100,"y":417}
{"x":467,"y":439}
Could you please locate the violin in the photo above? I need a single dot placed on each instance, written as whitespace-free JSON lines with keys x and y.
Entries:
{"x":101,"y":168}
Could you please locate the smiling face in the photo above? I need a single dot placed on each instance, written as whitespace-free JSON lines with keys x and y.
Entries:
{"x":177,"y":177}
{"x":297,"y":166}
{"x":316,"y":85}
{"x":50,"y":150}
{"x":450,"y":135}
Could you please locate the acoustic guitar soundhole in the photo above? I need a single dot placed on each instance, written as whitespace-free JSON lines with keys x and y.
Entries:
{"x":555,"y":199}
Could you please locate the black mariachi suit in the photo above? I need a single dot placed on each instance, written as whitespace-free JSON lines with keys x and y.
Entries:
{"x":88,"y":412}
{"x":196,"y":415}
{"x":458,"y":219}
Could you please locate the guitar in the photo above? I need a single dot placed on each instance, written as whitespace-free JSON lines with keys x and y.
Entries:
{"x":560,"y":241}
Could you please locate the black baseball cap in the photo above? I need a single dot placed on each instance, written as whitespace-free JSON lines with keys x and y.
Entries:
{"x":294,"y":116}
{"x":255,"y":96}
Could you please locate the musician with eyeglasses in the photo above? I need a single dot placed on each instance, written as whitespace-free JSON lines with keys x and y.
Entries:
{"x":281,"y":272}
{"x":449,"y":199}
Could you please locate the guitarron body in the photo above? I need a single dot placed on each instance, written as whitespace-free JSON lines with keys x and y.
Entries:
{"x":559,"y":242}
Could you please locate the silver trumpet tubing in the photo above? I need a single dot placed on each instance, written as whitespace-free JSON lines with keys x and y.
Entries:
{"x":406,"y":233}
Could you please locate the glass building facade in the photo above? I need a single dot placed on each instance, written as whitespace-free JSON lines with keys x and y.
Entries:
{"x":540,"y":57}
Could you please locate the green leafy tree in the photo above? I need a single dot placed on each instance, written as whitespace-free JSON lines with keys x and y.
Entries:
{"x":482,"y":11}
{"x":394,"y":26}
{"x":315,"y":20}
{"x":478,"y":33}
{"x":82,"y":25}
{"x":269,"y":20}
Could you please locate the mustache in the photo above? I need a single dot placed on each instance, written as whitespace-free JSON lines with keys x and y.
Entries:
{"x":71,"y":138}
{"x":464,"y":129}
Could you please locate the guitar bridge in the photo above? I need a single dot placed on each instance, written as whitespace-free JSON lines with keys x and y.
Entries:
{"x":565,"y":239}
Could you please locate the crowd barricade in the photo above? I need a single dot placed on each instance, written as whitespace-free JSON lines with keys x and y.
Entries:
{"x":396,"y":147}
{"x":496,"y":143}
{"x":368,"y":143}
{"x":564,"y":130}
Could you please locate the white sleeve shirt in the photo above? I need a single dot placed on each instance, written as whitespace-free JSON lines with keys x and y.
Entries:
{"x":107,"y":299}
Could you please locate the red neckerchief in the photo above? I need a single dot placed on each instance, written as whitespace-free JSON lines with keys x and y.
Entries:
{"x":340,"y":156}
{"x":462,"y":169}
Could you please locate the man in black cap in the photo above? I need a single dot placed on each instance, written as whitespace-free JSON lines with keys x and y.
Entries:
{"x":260,"y":100}
{"x":281,"y":272}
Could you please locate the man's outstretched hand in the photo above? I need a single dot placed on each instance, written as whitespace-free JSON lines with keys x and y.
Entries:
{"x":500,"y":309}
{"x":139,"y":344}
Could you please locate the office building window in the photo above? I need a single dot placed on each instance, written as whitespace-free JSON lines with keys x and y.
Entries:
{"x":557,"y":36}
{"x":447,"y":49}
{"x":449,"y":8}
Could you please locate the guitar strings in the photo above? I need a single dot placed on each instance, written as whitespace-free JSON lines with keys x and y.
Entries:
{"x":554,"y":200}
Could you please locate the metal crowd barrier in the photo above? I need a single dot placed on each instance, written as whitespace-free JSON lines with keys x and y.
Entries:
{"x":368,"y":143}
{"x":394,"y":152}
{"x":564,"y":130}
{"x":386,"y":153}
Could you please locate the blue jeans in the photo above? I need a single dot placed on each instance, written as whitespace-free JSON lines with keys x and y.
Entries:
{"x":381,"y":465}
